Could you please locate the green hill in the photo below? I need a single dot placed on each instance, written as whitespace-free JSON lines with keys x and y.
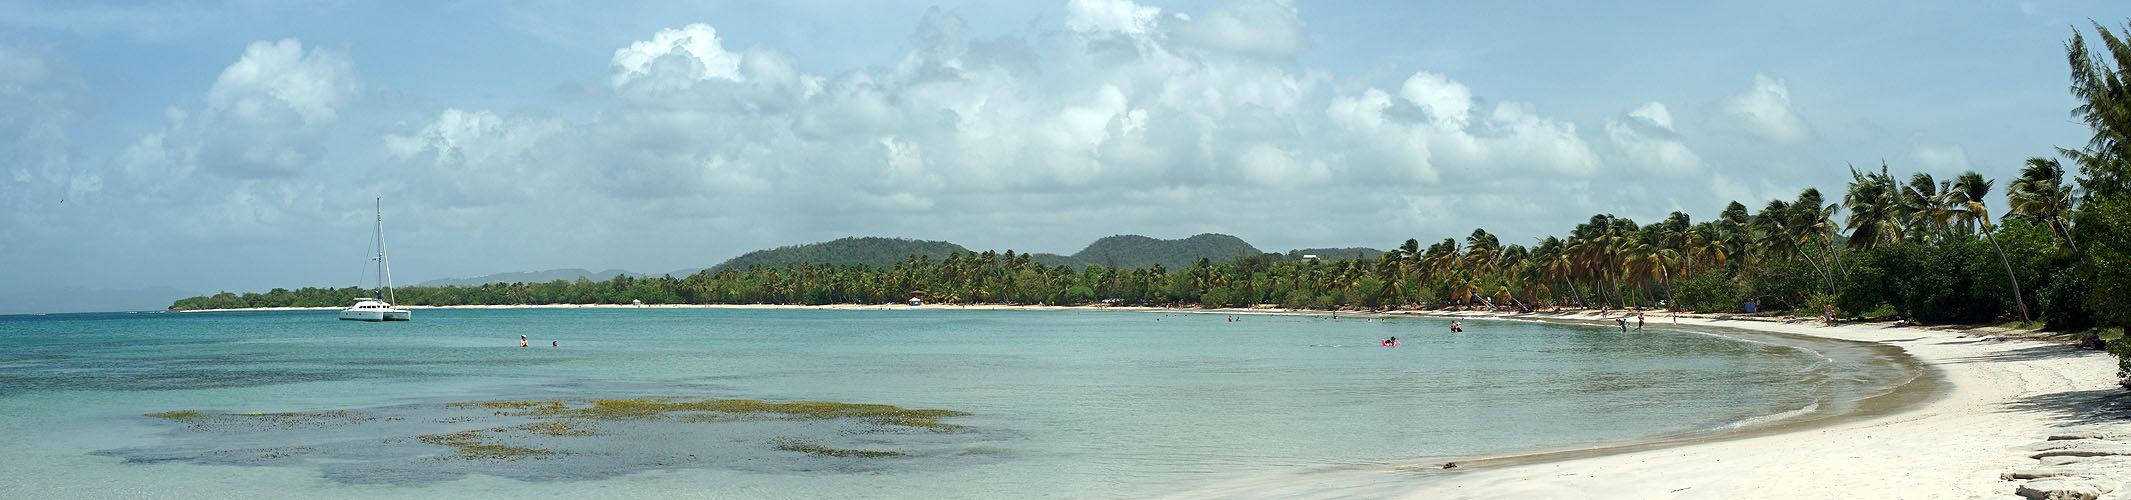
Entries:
{"x":1133,"y":251}
{"x":884,"y":252}
{"x":1127,"y":251}
{"x":533,"y":277}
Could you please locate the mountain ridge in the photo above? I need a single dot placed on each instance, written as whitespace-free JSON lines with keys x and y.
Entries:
{"x":1127,"y":251}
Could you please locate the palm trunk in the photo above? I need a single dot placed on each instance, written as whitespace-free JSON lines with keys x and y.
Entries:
{"x":1670,"y":301}
{"x":2057,"y":224}
{"x":1833,"y":255}
{"x":2017,"y":300}
{"x":1823,"y":272}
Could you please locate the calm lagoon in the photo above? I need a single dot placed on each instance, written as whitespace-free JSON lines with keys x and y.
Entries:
{"x":1075,"y":404}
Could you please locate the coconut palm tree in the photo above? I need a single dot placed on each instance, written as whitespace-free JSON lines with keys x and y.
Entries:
{"x":1875,"y":217}
{"x":2041,"y":193}
{"x":1925,"y":213}
{"x":2102,"y":83}
{"x":1814,"y":221}
{"x":1969,"y":191}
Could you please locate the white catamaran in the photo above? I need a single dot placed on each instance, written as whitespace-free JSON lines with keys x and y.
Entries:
{"x":378,"y":308}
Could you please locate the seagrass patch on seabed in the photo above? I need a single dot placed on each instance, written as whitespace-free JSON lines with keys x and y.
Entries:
{"x":570,"y":439}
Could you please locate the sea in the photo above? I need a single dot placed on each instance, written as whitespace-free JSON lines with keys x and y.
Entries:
{"x":1037,"y":403}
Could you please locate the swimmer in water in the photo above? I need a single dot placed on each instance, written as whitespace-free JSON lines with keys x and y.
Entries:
{"x":522,"y":341}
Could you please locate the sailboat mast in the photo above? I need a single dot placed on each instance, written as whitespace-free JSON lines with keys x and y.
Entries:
{"x":384,"y":267}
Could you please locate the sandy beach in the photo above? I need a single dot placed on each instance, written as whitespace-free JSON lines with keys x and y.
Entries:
{"x":2005,"y":401}
{"x":2013,"y":417}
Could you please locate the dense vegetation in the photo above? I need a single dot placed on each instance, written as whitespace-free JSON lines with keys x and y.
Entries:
{"x":1913,"y":246}
{"x":1134,"y":251}
{"x":868,"y":251}
{"x":531,"y":277}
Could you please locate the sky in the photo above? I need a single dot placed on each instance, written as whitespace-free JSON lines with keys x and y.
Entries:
{"x":244,"y":145}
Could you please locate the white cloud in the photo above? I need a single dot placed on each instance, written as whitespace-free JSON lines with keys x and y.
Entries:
{"x":1374,"y":135}
{"x":264,"y":114}
{"x":1646,"y":138}
{"x":1260,"y":28}
{"x":1267,"y":165}
{"x":1765,"y":111}
{"x":675,"y":58}
{"x":1654,"y":113}
{"x":1031,"y":138}
{"x":1114,"y":16}
{"x":479,"y":158}
{"x":276,"y":78}
{"x":1448,"y":102}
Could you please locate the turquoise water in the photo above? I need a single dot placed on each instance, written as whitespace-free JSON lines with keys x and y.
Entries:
{"x":1074,"y":404}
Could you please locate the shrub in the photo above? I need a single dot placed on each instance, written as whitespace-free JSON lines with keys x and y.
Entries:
{"x":1708,"y":292}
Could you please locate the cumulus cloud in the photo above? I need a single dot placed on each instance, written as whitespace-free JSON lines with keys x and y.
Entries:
{"x":1432,"y":127}
{"x":1646,"y":138}
{"x":475,"y":158}
{"x":1448,"y":103}
{"x":1113,"y":16}
{"x":263,"y":116}
{"x":676,"y":56}
{"x":272,"y":79}
{"x":244,"y":160}
{"x":1260,"y":28}
{"x":1130,"y":119}
{"x":1765,"y":111}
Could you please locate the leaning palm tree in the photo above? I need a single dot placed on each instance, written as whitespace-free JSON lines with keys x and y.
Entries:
{"x":2041,"y":193}
{"x":1969,"y":191}
{"x":1814,"y":221}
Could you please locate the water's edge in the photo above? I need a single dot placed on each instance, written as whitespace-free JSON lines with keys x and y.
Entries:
{"x":1918,"y":384}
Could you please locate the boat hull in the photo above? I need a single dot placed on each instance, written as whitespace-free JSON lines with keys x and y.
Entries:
{"x":376,"y":315}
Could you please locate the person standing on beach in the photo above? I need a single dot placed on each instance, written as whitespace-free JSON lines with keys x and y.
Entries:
{"x":522,"y":342}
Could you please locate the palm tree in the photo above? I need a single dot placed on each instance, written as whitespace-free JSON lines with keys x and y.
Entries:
{"x":1874,"y":216}
{"x":1967,"y":197}
{"x":1814,"y":221}
{"x":1924,"y":211}
{"x":2041,"y":193}
{"x":1784,"y":236}
{"x":2102,"y":83}
{"x":1735,"y":233}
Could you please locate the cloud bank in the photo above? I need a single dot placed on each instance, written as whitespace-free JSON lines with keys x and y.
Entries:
{"x":1119,"y":118}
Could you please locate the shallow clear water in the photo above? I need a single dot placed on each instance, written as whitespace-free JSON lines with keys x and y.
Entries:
{"x":1077,"y":404}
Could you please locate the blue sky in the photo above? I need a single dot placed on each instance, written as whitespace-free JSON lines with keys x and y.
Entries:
{"x":238,"y":145}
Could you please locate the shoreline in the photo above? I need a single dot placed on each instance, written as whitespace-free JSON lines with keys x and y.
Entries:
{"x":2002,"y":403}
{"x":2002,"y":406}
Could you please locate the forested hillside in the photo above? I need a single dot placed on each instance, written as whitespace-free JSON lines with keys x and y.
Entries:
{"x":532,"y":277}
{"x":1132,"y":251}
{"x":868,"y":251}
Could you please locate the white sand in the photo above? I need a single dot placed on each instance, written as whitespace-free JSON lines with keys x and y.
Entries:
{"x":2005,"y":398}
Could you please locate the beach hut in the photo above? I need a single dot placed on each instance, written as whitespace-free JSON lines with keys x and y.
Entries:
{"x":917,"y":297}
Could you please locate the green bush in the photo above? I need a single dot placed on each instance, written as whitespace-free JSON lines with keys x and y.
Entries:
{"x":2063,"y":304}
{"x":1947,"y":283}
{"x":1708,"y":292}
